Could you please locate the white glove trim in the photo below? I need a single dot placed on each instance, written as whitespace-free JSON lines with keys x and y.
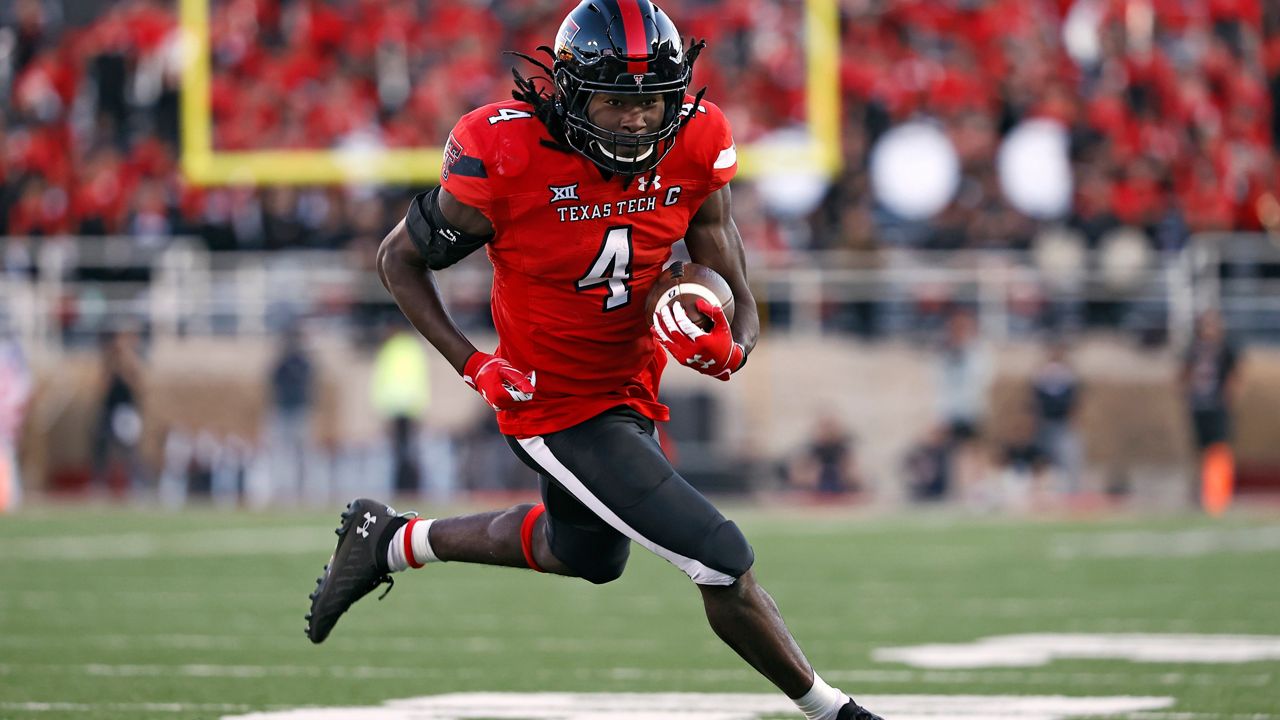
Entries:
{"x":687,"y":326}
{"x":679,"y":289}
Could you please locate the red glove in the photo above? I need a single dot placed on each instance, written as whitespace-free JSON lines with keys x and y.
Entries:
{"x":711,"y":352}
{"x":500,"y":384}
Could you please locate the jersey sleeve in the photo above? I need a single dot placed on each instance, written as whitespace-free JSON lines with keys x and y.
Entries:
{"x":724,"y":155}
{"x":463,"y":171}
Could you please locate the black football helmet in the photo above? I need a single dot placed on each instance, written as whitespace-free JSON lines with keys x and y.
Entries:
{"x":624,"y":47}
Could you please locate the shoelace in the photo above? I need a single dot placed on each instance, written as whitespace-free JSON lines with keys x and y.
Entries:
{"x":390,"y":581}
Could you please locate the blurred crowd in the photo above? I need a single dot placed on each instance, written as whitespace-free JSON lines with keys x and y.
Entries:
{"x":1171,"y":109}
{"x":90,"y":130}
{"x":1169,"y":105}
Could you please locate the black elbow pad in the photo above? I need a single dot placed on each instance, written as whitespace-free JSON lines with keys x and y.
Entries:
{"x":440,"y":243}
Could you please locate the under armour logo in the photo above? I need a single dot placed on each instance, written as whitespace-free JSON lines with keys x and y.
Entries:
{"x":450,"y":235}
{"x":644,"y":184}
{"x":369,"y":519}
{"x":697,"y":360}
{"x":560,"y":193}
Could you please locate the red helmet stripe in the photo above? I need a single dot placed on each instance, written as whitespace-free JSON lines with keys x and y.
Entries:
{"x":633,"y":26}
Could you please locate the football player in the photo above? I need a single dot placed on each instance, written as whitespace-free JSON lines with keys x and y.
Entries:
{"x":577,"y":194}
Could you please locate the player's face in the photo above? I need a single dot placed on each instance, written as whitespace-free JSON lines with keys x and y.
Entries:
{"x":631,"y":114}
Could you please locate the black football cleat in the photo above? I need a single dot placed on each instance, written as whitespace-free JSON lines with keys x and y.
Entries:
{"x":358,"y":564}
{"x":854,"y":711}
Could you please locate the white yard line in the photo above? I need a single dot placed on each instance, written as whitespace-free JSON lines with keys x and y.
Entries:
{"x":205,"y":670}
{"x":37,"y":707}
{"x":718,"y":706}
{"x":1038,"y":678}
{"x":694,"y":707}
{"x":1051,"y":679}
{"x":1039,"y":649}
{"x":1197,"y":716}
{"x":1174,"y":543}
{"x":344,"y":672}
{"x":140,"y":545}
{"x":476,"y":644}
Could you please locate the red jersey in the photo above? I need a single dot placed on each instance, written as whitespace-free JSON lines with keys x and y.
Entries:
{"x":574,"y":256}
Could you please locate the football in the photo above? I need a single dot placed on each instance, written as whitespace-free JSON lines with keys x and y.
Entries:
{"x":685,"y":283}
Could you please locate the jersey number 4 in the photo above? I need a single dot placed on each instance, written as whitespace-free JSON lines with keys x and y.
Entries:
{"x":612,"y":268}
{"x":508,"y":114}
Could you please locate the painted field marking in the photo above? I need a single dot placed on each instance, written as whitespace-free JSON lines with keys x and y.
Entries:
{"x":1197,"y":716}
{"x":251,"y":672}
{"x":70,"y":707}
{"x":65,"y":707}
{"x":1175,"y":543}
{"x":1034,"y":650}
{"x":476,"y":644}
{"x":205,"y":543}
{"x":1075,"y":680}
{"x":352,"y":672}
{"x":715,"y":706}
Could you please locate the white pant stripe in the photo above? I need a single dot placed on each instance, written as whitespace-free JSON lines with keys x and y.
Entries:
{"x":541,"y":454}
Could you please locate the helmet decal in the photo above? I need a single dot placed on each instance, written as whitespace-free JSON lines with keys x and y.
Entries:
{"x":565,"y":38}
{"x":633,"y":28}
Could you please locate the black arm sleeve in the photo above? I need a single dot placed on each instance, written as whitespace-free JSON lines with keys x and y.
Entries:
{"x":440,"y":243}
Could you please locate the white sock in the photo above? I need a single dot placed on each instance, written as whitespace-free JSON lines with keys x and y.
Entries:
{"x":822,"y":702}
{"x":419,"y":545}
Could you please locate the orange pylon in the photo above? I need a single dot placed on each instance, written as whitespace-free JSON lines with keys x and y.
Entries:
{"x":1217,"y":478}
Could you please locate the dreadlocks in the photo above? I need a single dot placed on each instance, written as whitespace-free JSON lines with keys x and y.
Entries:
{"x":545,"y":106}
{"x":548,"y":109}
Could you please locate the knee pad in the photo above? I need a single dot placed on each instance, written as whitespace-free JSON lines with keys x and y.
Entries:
{"x":600,"y":565}
{"x":602,"y":573}
{"x":726,"y":549}
{"x":597,"y":555}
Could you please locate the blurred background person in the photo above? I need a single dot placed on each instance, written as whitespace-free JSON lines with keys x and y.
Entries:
{"x":1055,"y":392}
{"x":1021,"y":478}
{"x":118,"y":467}
{"x":927,"y":466}
{"x":827,"y":465}
{"x":15,"y":391}
{"x":1209,"y":384}
{"x":964,"y":371}
{"x":401,"y":394}
{"x":290,"y":445}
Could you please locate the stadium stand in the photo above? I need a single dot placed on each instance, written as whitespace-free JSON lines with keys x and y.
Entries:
{"x":1169,"y":109}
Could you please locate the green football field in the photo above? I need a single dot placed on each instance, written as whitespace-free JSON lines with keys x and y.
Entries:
{"x":113,"y":613}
